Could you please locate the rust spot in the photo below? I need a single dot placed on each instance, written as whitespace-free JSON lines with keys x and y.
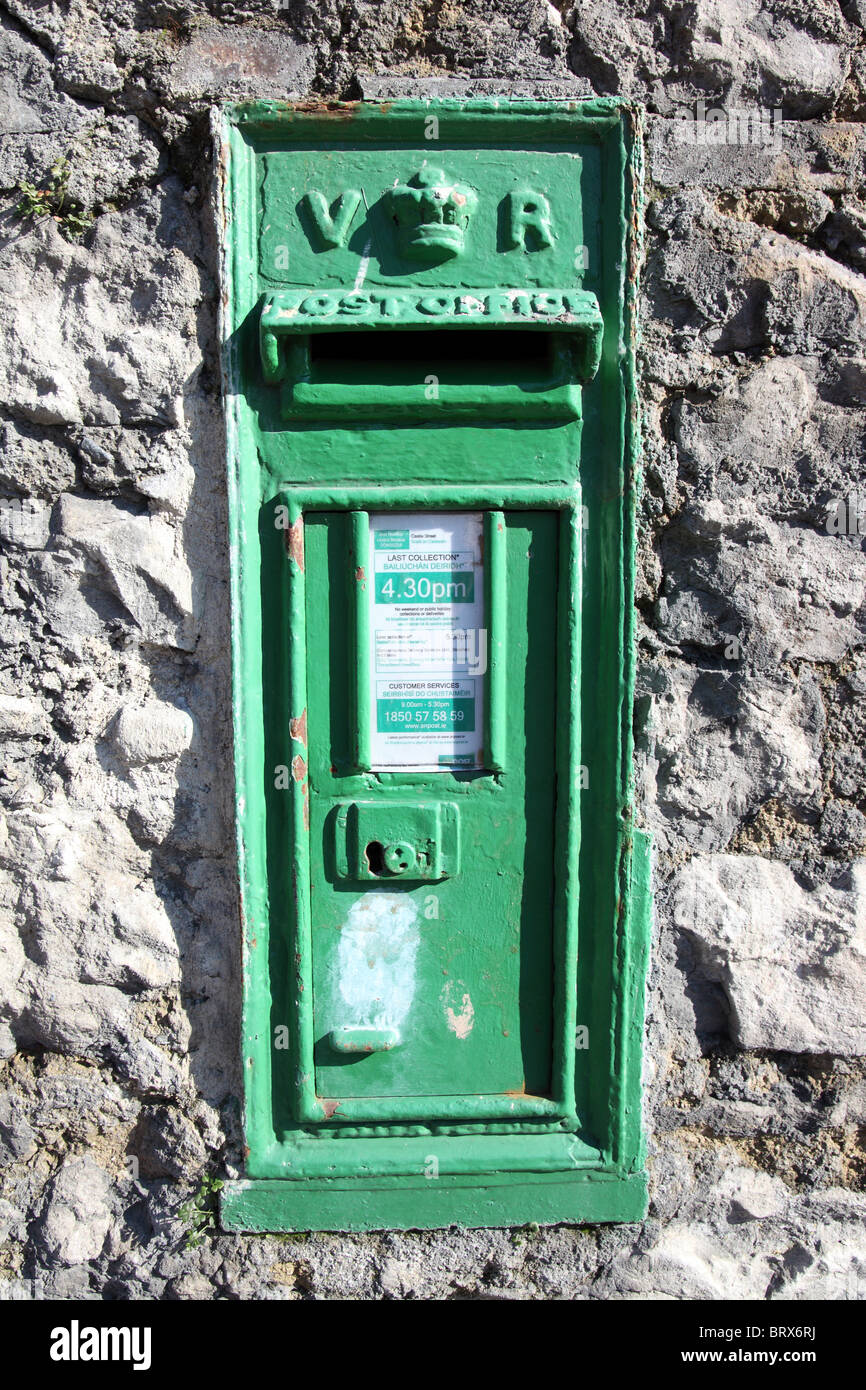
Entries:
{"x":298,"y":728}
{"x":299,"y":768}
{"x":337,"y":110}
{"x":521,"y":1090}
{"x":295,"y":543}
{"x":330,"y":1108}
{"x":360,"y":576}
{"x":223,"y":162}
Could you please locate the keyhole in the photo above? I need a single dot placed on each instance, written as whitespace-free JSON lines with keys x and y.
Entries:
{"x":400,"y":857}
{"x":375,"y":854}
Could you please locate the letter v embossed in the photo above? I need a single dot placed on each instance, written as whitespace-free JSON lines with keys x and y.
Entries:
{"x":332,"y":223}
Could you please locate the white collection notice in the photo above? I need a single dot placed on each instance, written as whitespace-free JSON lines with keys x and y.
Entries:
{"x":428,"y":640}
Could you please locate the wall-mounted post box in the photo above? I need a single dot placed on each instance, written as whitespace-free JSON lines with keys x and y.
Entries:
{"x":429,"y":325}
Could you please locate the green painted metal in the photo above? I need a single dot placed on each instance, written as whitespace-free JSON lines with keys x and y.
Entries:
{"x":542,"y":1198}
{"x":361,"y":711}
{"x":497,"y":627}
{"x":430,"y":309}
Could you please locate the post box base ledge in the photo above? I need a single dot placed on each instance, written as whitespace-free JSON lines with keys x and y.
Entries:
{"x":417,"y":1203}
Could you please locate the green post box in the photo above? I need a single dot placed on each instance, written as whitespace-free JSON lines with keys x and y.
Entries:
{"x":429,"y":315}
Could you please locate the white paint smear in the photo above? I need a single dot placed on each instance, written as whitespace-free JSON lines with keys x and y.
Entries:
{"x":376,"y":960}
{"x":363,"y":267}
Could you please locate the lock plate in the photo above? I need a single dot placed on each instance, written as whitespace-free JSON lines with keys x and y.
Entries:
{"x":397,"y":841}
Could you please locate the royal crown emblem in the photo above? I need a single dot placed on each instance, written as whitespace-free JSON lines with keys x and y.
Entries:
{"x":432,"y":213}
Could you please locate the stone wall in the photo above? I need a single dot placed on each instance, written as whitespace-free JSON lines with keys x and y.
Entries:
{"x":118,"y":954}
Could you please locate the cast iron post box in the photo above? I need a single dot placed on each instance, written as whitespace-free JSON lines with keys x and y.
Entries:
{"x":429,"y":324}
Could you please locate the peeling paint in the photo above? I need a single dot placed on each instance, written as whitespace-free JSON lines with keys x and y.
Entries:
{"x":460,"y":1020}
{"x":295,"y":542}
{"x":299,"y":768}
{"x":298,"y":728}
{"x":299,"y":774}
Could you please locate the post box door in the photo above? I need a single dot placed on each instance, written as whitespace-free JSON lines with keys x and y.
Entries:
{"x":432,"y":871}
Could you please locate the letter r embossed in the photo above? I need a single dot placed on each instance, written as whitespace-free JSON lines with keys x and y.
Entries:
{"x":527,"y":212}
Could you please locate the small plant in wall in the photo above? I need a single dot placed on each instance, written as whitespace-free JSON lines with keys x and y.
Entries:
{"x":52,"y":200}
{"x":200,"y":1212}
{"x":521,"y":1235}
